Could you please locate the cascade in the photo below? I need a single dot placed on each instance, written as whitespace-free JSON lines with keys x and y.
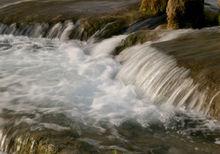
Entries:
{"x":83,"y":91}
{"x":60,"y":30}
{"x":158,"y":76}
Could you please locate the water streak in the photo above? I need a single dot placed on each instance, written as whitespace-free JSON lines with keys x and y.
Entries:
{"x":158,"y":76}
{"x":60,"y":30}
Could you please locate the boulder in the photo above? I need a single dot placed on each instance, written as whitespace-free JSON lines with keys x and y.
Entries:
{"x":153,"y":7}
{"x":185,"y":13}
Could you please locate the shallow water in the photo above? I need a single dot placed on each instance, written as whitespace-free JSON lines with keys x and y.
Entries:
{"x":50,"y":86}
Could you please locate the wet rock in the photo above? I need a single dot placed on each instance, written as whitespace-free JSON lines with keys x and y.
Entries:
{"x":191,"y":51}
{"x":138,"y":37}
{"x":211,"y":17}
{"x":185,"y":13}
{"x":103,"y":27}
{"x":212,"y":12}
{"x":110,"y":29}
{"x":149,"y":23}
{"x":153,"y":7}
{"x":40,"y":11}
{"x":87,"y":27}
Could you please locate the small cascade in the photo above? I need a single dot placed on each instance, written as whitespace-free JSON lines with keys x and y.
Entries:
{"x":78,"y":103}
{"x":158,"y":76}
{"x":60,"y":30}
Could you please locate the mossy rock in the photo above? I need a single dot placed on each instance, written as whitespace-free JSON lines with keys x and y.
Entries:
{"x":102,"y":27}
{"x":185,"y":13}
{"x":153,"y":7}
{"x":86,"y":27}
{"x":138,"y":37}
{"x":110,"y":29}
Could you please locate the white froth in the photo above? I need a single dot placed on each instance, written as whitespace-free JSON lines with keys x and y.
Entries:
{"x":84,"y":80}
{"x":41,"y":74}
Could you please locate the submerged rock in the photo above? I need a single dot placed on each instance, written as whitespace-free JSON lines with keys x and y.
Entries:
{"x":185,"y":13}
{"x":153,"y":7}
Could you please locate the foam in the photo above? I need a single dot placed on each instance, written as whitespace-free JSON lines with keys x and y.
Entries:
{"x":74,"y":78}
{"x":52,"y":76}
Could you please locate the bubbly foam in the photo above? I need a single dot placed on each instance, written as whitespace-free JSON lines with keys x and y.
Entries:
{"x":82,"y":80}
{"x":48,"y":75}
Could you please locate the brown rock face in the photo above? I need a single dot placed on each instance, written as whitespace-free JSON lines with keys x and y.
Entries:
{"x":185,"y":13}
{"x":153,"y":7}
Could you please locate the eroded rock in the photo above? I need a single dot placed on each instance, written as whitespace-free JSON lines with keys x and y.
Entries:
{"x":153,"y":7}
{"x":185,"y":13}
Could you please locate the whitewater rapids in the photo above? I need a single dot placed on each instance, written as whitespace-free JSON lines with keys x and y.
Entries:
{"x":74,"y":77}
{"x":84,"y":82}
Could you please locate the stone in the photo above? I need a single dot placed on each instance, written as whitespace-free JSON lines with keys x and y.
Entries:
{"x":153,"y":7}
{"x":185,"y":14}
{"x":211,"y":17}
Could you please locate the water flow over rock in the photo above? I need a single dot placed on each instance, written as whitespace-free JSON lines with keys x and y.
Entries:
{"x":60,"y":30}
{"x":78,"y":101}
{"x":158,"y":76}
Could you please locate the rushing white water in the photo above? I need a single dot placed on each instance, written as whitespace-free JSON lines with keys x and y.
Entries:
{"x":83,"y":81}
{"x":83,"y":77}
{"x":158,"y":76}
{"x":60,"y":30}
{"x":75,"y":77}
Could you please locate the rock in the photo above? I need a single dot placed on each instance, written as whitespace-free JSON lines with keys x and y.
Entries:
{"x":40,"y":11}
{"x":191,"y":51}
{"x":211,"y":17}
{"x":153,"y":7}
{"x":138,"y":37}
{"x":100,"y":28}
{"x":110,"y":29}
{"x":212,"y":12}
{"x":185,"y":13}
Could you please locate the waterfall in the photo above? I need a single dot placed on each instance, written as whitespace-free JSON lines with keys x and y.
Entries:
{"x":57,"y":94}
{"x":159,"y":77}
{"x":60,"y":30}
{"x":155,"y":74}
